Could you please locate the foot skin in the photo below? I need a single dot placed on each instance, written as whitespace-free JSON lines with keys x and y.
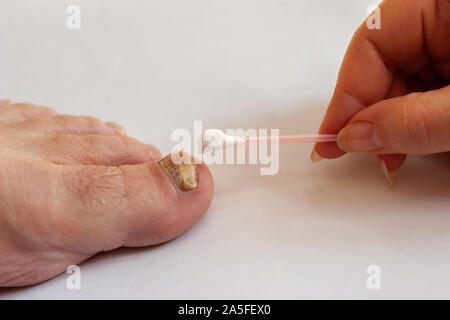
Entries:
{"x":71,"y":187}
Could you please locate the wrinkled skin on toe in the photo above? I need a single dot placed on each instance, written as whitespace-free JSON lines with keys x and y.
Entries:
{"x":73,"y":186}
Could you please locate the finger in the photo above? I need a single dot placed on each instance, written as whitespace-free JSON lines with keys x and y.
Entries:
{"x":389,"y":163}
{"x":99,"y":150}
{"x":70,"y":125}
{"x":426,"y":76}
{"x":367,"y":72}
{"x":23,"y":111}
{"x":418,"y":123}
{"x":132,"y":205}
{"x":398,"y":87}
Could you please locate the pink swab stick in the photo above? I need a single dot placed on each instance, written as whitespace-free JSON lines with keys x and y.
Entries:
{"x":216,"y":139}
{"x":307,"y":138}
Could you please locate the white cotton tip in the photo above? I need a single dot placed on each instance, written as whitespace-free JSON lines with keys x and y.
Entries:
{"x":213,"y":138}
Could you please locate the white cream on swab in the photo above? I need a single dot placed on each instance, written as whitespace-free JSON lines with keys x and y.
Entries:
{"x":217,"y":139}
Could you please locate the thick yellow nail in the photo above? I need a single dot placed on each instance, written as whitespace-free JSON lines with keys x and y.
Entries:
{"x":315,"y":157}
{"x":389,"y":175}
{"x":183,"y":176}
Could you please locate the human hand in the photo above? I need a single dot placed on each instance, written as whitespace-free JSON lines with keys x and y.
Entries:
{"x":71,"y":187}
{"x":392,"y":96}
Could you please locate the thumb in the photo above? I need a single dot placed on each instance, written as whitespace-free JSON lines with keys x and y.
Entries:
{"x":418,"y":123}
{"x":133,"y":205}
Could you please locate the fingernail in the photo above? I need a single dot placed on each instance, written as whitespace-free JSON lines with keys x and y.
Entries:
{"x":183,"y":176}
{"x":359,"y":137}
{"x":117,"y":127}
{"x":389,"y":175}
{"x":154,"y":152}
{"x":315,"y":157}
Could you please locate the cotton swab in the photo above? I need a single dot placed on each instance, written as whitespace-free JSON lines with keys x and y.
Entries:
{"x":217,"y":139}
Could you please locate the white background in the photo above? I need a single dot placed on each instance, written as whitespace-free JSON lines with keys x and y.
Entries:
{"x":308,"y":232}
